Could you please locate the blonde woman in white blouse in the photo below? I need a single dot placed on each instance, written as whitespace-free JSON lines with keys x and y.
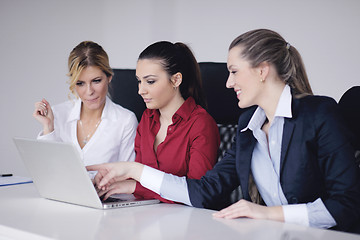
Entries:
{"x":101,"y":130}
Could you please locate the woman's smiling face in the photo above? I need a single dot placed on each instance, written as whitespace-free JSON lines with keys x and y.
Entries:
{"x":244,"y":79}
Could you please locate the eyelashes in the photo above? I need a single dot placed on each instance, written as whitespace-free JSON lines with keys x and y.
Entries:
{"x":82,"y":83}
{"x":150,"y":82}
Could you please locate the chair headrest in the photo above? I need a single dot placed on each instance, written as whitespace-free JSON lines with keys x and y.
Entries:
{"x":349,"y":105}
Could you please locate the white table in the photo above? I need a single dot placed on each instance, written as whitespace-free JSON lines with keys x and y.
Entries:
{"x":25,"y":215}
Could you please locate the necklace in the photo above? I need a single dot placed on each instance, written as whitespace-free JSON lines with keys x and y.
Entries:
{"x":87,"y":138}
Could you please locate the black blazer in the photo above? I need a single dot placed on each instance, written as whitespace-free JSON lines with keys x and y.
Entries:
{"x":317,"y":161}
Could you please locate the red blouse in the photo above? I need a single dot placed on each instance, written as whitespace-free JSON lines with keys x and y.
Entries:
{"x":190,"y":148}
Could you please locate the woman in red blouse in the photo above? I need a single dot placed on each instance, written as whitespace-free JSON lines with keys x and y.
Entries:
{"x":175,"y":134}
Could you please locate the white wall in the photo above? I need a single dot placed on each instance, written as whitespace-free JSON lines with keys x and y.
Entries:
{"x":36,"y":37}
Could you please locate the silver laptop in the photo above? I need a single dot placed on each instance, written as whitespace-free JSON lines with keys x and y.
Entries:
{"x":59,"y":174}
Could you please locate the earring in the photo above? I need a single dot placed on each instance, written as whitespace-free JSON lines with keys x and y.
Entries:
{"x":262,"y":80}
{"x":175,"y":88}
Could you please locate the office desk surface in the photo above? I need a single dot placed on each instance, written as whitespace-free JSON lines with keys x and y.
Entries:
{"x":25,"y":215}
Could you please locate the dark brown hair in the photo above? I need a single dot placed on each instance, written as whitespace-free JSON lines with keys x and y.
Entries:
{"x":174,"y":58}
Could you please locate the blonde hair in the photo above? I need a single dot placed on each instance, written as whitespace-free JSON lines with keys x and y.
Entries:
{"x":85,"y":54}
{"x":263,"y":45}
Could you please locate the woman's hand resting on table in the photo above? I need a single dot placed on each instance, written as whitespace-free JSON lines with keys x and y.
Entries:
{"x":248,"y":209}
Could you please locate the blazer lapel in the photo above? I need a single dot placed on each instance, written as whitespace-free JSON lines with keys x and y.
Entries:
{"x":287,"y":135}
{"x":244,"y":154}
{"x":289,"y":127}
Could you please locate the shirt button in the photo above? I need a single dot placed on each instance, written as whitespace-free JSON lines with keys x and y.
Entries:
{"x":273,"y":142}
{"x":293,"y":200}
{"x":170,"y":129}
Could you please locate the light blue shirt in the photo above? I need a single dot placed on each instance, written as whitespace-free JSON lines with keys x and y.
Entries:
{"x":265,"y":164}
{"x":265,"y":167}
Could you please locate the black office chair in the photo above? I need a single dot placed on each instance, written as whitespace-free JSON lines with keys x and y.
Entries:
{"x":124,"y":91}
{"x":223,"y":107}
{"x":222,"y":102}
{"x":349,"y":105}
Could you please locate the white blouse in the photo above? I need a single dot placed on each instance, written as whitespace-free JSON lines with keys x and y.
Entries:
{"x":112,"y":141}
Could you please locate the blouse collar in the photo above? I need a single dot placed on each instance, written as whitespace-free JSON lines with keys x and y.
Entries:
{"x":183,"y":112}
{"x":283,"y":109}
{"x":75,"y":111}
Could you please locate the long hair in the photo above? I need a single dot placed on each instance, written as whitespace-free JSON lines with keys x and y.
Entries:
{"x":263,"y":45}
{"x":174,"y":58}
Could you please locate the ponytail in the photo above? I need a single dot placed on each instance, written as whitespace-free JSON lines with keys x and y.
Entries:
{"x":297,"y":77}
{"x":192,"y":86}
